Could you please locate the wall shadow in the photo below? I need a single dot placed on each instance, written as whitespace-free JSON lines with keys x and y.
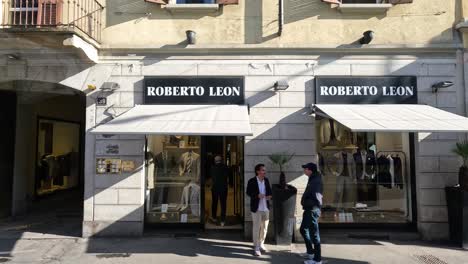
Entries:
{"x":123,"y":11}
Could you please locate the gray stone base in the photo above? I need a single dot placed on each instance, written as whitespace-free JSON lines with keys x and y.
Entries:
{"x":434,"y":231}
{"x":108,"y":229}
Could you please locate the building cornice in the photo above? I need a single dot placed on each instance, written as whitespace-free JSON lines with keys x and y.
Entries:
{"x":282,"y":49}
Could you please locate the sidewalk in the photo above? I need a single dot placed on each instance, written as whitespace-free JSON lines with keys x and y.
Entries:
{"x":216,"y":248}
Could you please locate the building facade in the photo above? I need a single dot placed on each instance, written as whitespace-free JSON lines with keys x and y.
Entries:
{"x":270,"y":74}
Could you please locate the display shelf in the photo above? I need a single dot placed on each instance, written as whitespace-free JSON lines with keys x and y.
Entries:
{"x":176,"y":147}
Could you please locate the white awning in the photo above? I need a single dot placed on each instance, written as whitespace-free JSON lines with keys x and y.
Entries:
{"x":394,"y":118}
{"x":226,"y":120}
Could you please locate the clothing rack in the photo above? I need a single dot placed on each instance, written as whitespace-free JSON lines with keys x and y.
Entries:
{"x":403,"y":156}
{"x":393,"y":153}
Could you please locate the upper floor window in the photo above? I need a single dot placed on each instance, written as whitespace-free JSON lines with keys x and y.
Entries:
{"x":363,"y":1}
{"x":196,"y":2}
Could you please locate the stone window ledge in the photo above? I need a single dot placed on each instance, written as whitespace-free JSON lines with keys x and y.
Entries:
{"x":364,"y":8}
{"x":192,"y":8}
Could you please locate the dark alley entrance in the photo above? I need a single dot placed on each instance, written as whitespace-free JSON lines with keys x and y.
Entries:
{"x":42,"y":180}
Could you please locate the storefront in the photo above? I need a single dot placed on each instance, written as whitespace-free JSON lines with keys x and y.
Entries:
{"x":394,"y":131}
{"x":365,"y":128}
{"x":186,"y":122}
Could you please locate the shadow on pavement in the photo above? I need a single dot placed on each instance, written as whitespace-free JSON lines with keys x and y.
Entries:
{"x":224,"y":246}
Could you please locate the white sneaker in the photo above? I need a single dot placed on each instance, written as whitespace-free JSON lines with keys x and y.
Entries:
{"x":222,"y":224}
{"x":263,"y":248}
{"x":306,"y":255}
{"x":257,"y":253}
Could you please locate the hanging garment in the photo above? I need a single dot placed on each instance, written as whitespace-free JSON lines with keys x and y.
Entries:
{"x":343,"y":192}
{"x":344,"y":165}
{"x":330,"y":132}
{"x":321,"y":162}
{"x":189,"y":163}
{"x":150,"y":170}
{"x":371,"y":164}
{"x":383,"y":175}
{"x":191,"y":198}
{"x":54,"y":168}
{"x":162,"y":164}
{"x":360,"y":159}
{"x":398,"y":166}
{"x":391,"y":170}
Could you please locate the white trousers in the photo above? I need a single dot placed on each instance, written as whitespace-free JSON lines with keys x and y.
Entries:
{"x":260,"y":227}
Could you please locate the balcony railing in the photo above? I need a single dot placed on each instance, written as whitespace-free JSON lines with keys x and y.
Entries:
{"x":83,"y":16}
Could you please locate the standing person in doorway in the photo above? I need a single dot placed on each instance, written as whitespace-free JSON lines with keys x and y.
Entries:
{"x":259,"y":191}
{"x":219,"y":190}
{"x":312,"y":202}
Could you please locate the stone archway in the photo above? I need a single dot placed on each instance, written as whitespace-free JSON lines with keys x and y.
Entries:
{"x":63,"y":111}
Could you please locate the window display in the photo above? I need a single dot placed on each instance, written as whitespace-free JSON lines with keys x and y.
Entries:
{"x":173,"y":179}
{"x":364,"y":174}
{"x":58,"y":159}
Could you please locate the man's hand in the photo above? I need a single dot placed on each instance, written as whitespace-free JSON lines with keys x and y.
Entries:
{"x":261,"y":196}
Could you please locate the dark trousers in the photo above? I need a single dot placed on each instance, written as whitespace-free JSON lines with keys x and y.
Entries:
{"x":222,"y":197}
{"x":310,"y":232}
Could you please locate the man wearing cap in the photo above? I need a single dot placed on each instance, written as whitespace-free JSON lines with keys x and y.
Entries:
{"x":312,"y":202}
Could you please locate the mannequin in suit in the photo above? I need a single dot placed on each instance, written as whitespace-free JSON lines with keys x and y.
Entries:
{"x":345,"y":177}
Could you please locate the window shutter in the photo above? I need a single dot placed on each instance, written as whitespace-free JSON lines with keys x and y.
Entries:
{"x":331,"y":1}
{"x":48,"y":12}
{"x":159,"y":2}
{"x":397,"y":2}
{"x":228,"y":2}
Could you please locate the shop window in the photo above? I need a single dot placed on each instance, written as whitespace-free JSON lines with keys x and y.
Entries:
{"x":58,"y":159}
{"x":173,"y":179}
{"x":365,"y":175}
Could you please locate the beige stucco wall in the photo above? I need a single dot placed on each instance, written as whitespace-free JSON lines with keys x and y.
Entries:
{"x":135,"y":23}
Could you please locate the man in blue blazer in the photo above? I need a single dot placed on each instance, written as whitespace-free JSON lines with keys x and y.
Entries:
{"x":259,"y":191}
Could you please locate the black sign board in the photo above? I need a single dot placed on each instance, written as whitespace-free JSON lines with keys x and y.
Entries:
{"x":101,"y":101}
{"x":194,"y":90}
{"x":366,"y":90}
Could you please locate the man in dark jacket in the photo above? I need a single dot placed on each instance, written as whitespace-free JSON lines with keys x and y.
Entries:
{"x":312,"y":202}
{"x":259,"y":191}
{"x":220,"y":175}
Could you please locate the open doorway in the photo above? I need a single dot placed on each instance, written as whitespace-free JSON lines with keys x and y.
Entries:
{"x":224,"y":183}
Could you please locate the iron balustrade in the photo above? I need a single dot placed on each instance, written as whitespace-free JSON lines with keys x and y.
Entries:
{"x":84,"y":16}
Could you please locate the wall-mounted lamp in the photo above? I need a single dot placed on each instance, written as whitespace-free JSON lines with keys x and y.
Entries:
{"x":281,"y":85}
{"x":367,"y":37}
{"x":109,"y":87}
{"x":12,"y":56}
{"x":191,"y":37}
{"x":441,"y":85}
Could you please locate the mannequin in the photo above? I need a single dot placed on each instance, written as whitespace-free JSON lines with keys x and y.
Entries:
{"x":346,"y":176}
{"x":189,"y":164}
{"x":162,"y":164}
{"x":191,"y":197}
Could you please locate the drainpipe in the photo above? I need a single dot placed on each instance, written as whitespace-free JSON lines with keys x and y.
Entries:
{"x":280,"y":17}
{"x":461,"y":73}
